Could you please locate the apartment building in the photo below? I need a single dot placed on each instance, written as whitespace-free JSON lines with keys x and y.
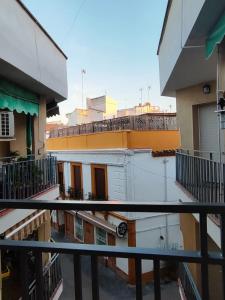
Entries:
{"x":128,"y":166}
{"x":98,"y":109}
{"x":32,"y":83}
{"x":192,"y":70}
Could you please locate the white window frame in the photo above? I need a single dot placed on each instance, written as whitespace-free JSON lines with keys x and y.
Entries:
{"x":11,"y":125}
{"x":75,"y":228}
{"x":106,"y":236}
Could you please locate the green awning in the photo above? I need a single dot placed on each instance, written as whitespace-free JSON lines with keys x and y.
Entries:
{"x":13,"y":97}
{"x":216,"y":36}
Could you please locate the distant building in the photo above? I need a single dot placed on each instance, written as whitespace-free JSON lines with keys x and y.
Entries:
{"x":98,"y":109}
{"x":138,"y":110}
{"x":52,"y":125}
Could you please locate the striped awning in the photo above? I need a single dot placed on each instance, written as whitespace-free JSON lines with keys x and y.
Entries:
{"x":24,"y":228}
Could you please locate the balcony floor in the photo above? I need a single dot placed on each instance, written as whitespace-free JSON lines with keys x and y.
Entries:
{"x":112,"y":287}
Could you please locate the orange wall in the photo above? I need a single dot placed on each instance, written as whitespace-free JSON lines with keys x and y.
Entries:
{"x":155,"y":140}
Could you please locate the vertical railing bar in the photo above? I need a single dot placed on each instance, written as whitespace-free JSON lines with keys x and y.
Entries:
{"x":204,"y":255}
{"x":77,"y":277}
{"x":24,"y":273}
{"x":138,"y":274}
{"x":39,"y":275}
{"x":157,"y":289}
{"x":94,"y":277}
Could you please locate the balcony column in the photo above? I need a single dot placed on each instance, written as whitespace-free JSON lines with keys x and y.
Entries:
{"x":39,"y":129}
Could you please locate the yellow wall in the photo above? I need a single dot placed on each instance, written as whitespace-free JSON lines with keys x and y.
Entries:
{"x":155,"y":140}
{"x":186,"y":98}
{"x":39,"y":129}
{"x":189,"y":228}
{"x":190,"y":231}
{"x":19,"y":144}
{"x":4,"y":149}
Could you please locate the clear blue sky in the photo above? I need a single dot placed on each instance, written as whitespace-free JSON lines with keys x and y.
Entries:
{"x":114,"y":40}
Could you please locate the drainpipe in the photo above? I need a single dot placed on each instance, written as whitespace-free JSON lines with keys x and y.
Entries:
{"x":165,"y":161}
{"x":219,"y":88}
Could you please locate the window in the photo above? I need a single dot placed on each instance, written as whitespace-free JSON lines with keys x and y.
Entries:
{"x":99,"y":182}
{"x":100,"y":236}
{"x":79,"y":229}
{"x":6,"y":124}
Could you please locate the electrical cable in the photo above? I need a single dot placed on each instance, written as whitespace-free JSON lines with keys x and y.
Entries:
{"x":74,"y":20}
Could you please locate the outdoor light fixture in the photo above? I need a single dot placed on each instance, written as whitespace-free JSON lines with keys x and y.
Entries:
{"x":206,"y":89}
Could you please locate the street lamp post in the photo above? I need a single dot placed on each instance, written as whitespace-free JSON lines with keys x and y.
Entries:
{"x":83,"y":72}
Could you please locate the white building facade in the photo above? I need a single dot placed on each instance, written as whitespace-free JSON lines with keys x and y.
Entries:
{"x":130,"y":175}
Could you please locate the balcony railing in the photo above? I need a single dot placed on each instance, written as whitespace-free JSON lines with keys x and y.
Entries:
{"x":150,"y":121}
{"x":203,"y":257}
{"x":189,"y":287}
{"x":52,"y":278}
{"x":24,"y":179}
{"x":201,"y":177}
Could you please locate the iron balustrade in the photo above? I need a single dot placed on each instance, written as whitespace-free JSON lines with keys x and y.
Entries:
{"x":24,"y":179}
{"x":202,"y":257}
{"x":52,"y":278}
{"x":149,"y":121}
{"x":201,"y":177}
{"x":187,"y":282}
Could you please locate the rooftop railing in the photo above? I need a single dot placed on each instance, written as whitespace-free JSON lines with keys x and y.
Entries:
{"x":22,"y":179}
{"x":203,"y":257}
{"x":150,"y":121}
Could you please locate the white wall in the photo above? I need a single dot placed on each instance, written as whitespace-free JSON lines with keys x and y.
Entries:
{"x":150,"y":229}
{"x":25,"y":46}
{"x":181,"y":19}
{"x":132,"y":175}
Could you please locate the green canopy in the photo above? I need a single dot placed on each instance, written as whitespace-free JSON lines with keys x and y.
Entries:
{"x":216,"y":36}
{"x":16,"y":98}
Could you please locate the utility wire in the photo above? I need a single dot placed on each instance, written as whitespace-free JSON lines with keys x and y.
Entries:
{"x":74,"y":20}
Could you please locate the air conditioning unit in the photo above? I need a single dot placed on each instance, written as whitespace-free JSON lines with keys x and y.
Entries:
{"x":7,"y":128}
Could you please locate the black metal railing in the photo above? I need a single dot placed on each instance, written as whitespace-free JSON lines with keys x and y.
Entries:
{"x":52,"y":278}
{"x":24,"y":179}
{"x":201,"y":177}
{"x":188,"y":285}
{"x":203,"y":257}
{"x":149,"y":121}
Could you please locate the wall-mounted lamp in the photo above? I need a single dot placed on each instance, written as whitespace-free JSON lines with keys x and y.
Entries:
{"x":206,"y":89}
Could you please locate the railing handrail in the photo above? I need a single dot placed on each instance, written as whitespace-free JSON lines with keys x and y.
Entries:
{"x":112,"y":251}
{"x":202,"y":257}
{"x":48,"y":156}
{"x":192,"y":155}
{"x":89,"y":205}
